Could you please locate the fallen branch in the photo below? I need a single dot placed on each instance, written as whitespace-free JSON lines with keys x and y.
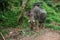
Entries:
{"x":2,"y":36}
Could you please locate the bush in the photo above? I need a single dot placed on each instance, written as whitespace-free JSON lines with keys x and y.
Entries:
{"x":10,"y":17}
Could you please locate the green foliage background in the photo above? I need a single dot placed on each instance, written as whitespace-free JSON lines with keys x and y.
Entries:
{"x":10,"y":17}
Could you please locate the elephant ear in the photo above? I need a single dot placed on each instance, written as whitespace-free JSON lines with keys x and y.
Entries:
{"x":43,"y":10}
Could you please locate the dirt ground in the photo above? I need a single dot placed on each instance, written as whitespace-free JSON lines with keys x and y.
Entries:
{"x":45,"y":34}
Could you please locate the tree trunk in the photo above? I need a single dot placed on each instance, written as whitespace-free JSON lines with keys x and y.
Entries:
{"x":23,"y":7}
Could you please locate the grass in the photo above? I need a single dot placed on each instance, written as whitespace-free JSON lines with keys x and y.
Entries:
{"x":10,"y":17}
{"x":54,"y":27}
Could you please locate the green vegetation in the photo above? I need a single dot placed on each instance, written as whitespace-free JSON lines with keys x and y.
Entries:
{"x":10,"y":16}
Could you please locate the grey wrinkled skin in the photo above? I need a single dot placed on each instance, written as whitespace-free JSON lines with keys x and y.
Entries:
{"x":38,"y":14}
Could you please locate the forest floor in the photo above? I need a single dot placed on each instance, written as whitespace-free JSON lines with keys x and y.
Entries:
{"x":43,"y":34}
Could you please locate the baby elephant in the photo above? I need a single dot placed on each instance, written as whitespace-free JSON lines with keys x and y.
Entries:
{"x":37,"y":16}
